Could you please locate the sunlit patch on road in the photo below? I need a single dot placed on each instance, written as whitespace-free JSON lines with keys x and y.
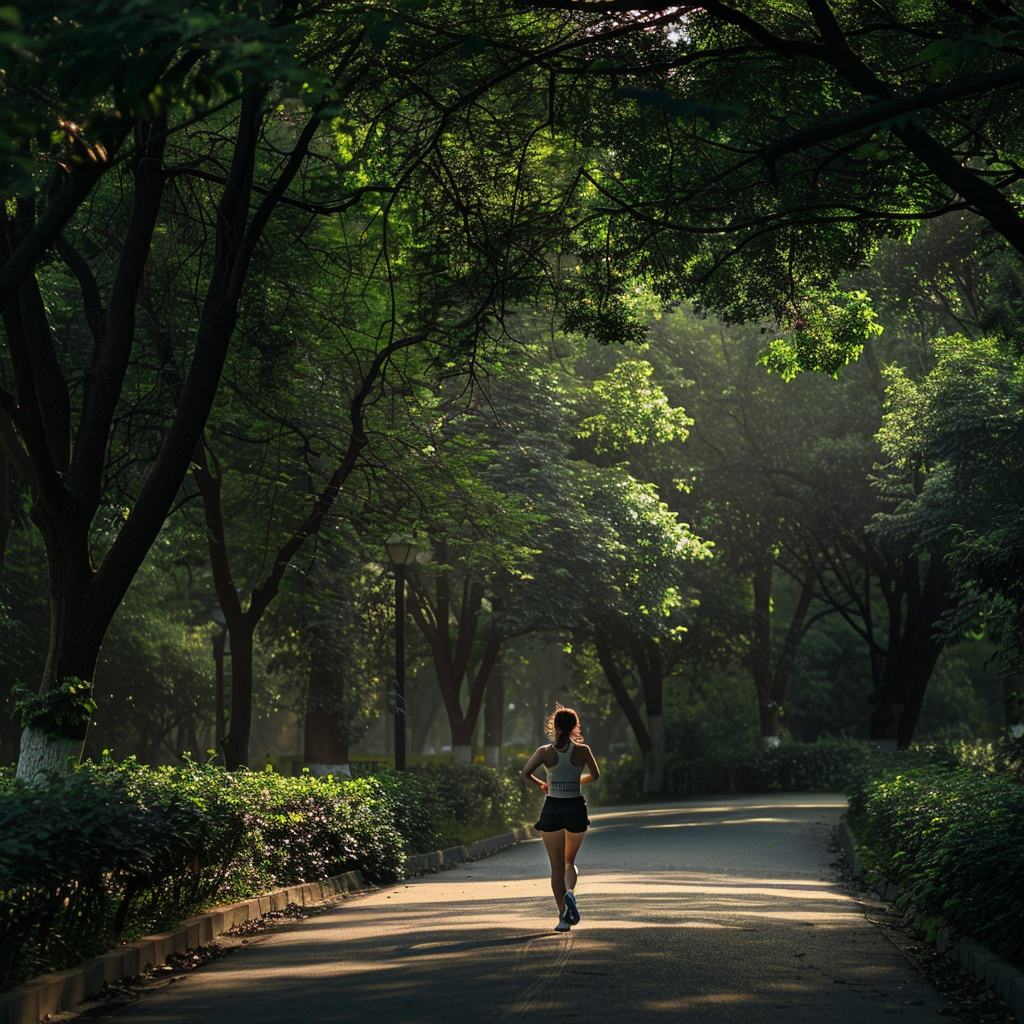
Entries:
{"x":731,"y":923}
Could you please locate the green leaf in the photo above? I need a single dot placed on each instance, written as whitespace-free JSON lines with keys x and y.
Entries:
{"x":935,"y":49}
{"x":713,"y":113}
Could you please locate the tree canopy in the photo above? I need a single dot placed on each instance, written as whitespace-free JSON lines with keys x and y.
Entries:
{"x":755,"y":153}
{"x":278,"y":279}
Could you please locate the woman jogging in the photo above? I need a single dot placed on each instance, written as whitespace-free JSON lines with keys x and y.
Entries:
{"x":563,"y":818}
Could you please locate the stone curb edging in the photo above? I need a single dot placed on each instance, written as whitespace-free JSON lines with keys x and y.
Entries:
{"x":62,"y":990}
{"x":1005,"y":979}
{"x":441,"y":860}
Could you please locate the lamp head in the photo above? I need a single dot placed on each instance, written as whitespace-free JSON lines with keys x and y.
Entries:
{"x":402,"y":549}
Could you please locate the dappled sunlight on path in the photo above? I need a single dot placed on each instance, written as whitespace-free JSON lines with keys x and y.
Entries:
{"x":657,"y":941}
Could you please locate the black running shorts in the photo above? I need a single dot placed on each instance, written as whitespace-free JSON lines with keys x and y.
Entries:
{"x":560,"y":812}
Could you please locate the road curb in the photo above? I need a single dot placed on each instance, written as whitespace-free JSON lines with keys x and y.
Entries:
{"x":57,"y":993}
{"x":441,"y":860}
{"x":1005,"y":979}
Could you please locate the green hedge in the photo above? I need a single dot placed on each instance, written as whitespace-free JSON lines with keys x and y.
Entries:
{"x":118,"y":850}
{"x":947,"y":827}
{"x":828,"y":765}
{"x":446,"y":804}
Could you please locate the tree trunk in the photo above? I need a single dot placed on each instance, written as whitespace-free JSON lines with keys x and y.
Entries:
{"x":761,"y":652}
{"x":451,"y":660}
{"x":654,"y":766}
{"x":494,"y":709}
{"x":895,"y":719}
{"x":912,"y":653}
{"x":772,"y":681}
{"x":606,"y":657}
{"x":236,"y":742}
{"x":326,"y":744}
{"x":772,"y":710}
{"x":423,"y":722}
{"x":42,"y":754}
{"x":646,"y":655}
{"x":77,"y":625}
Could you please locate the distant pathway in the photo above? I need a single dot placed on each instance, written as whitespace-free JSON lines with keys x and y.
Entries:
{"x":699,"y":912}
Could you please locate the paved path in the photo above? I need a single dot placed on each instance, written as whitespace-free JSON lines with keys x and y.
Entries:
{"x":708,"y":912}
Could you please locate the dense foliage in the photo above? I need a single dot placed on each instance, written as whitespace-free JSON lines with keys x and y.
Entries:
{"x":442,"y":804}
{"x":117,"y":850}
{"x":403,"y":249}
{"x":948,"y":829}
{"x":828,"y":765}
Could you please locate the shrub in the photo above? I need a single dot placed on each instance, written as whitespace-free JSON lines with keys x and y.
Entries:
{"x":827,"y":765}
{"x":621,"y":782}
{"x":947,"y":827}
{"x":446,"y":803}
{"x":119,"y":849}
{"x":74,"y":858}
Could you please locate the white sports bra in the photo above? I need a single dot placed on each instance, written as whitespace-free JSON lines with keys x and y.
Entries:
{"x":564,"y":778}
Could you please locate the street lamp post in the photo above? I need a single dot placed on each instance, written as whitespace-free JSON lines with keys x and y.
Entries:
{"x":221,"y":646}
{"x":401,"y":550}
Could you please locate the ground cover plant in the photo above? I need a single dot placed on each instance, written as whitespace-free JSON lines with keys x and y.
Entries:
{"x":947,"y":827}
{"x":117,"y":850}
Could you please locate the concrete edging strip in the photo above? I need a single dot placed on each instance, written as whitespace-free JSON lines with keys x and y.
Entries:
{"x":439,"y":860}
{"x":1005,"y":979}
{"x":58,"y":992}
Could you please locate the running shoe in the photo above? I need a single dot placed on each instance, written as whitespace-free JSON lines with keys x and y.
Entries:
{"x":563,"y":925}
{"x":571,"y":912}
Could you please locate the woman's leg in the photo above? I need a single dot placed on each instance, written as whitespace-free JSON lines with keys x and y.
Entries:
{"x":573,"y":841}
{"x":555,"y":844}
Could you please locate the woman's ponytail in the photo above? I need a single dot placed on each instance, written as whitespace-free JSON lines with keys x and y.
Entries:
{"x":563,"y":724}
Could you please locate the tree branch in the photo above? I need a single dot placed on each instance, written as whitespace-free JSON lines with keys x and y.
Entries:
{"x":105,"y":378}
{"x":889,"y":109}
{"x":92,"y":301}
{"x":90,"y":164}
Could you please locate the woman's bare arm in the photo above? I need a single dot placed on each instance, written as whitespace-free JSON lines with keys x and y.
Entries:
{"x":535,"y":761}
{"x":590,"y":765}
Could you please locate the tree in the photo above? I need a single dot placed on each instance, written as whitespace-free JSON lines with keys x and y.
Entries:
{"x":452,"y":616}
{"x":958,"y":430}
{"x":780,"y":479}
{"x":213,"y":123}
{"x":642,"y":593}
{"x":613,"y":562}
{"x":344,"y":632}
{"x":66,"y":465}
{"x":637,"y":616}
{"x":758,"y":151}
{"x":479,"y":531}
